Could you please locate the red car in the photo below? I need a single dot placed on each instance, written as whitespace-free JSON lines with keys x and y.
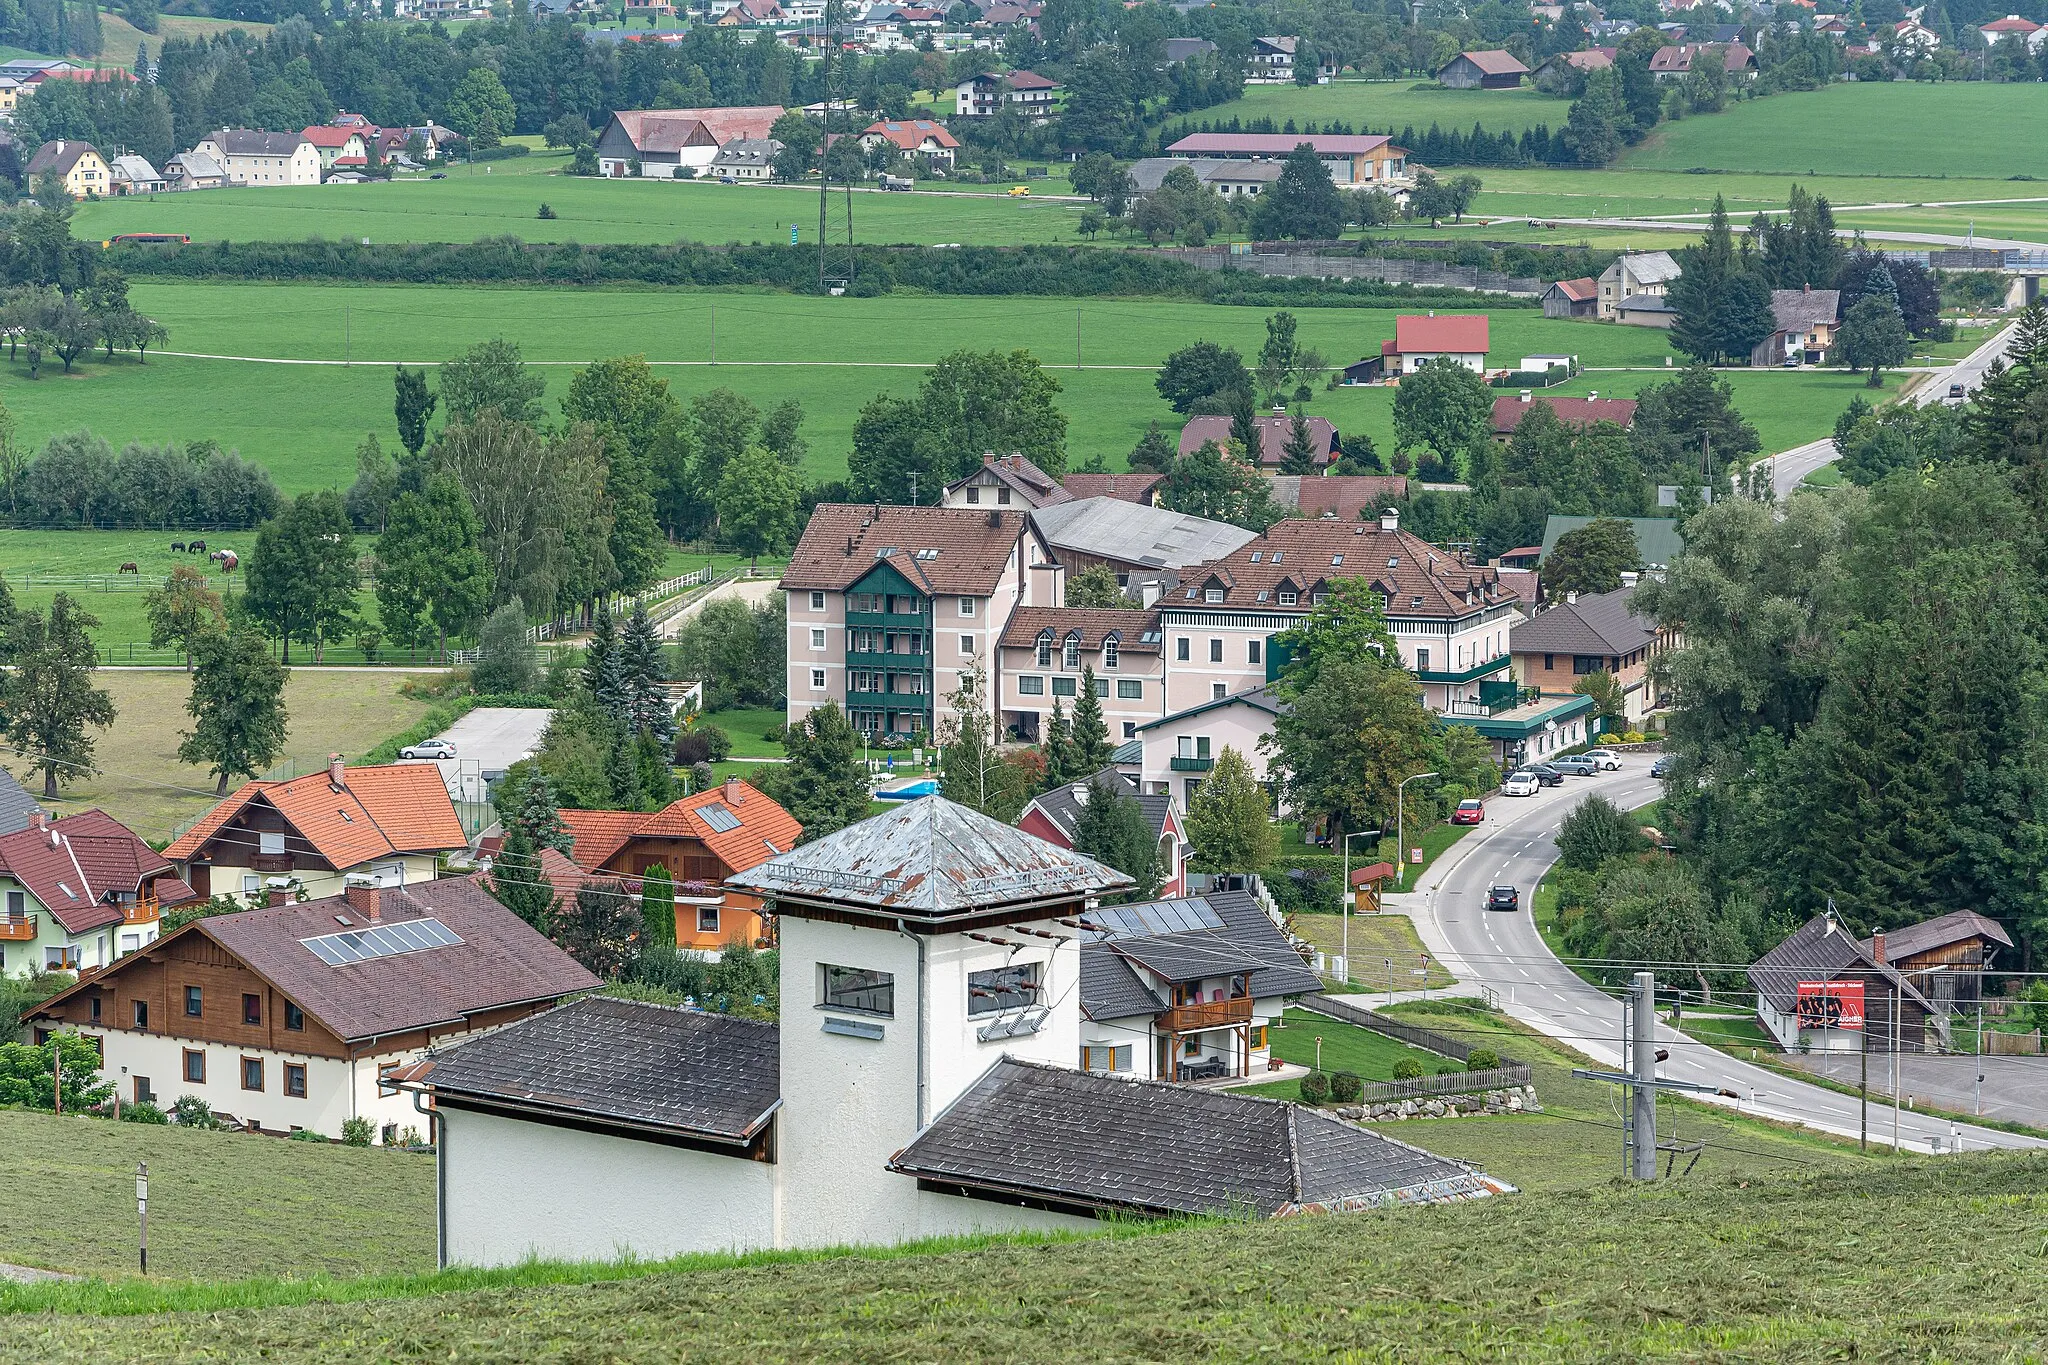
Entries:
{"x":1469,"y":812}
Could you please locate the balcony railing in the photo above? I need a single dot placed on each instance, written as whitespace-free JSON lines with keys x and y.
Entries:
{"x":17,"y":928}
{"x":141,"y":910}
{"x":1521,"y":697}
{"x":1207,"y":1014}
{"x":1184,"y":764}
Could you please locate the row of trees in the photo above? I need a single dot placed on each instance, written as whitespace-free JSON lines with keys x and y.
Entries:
{"x":77,"y":480}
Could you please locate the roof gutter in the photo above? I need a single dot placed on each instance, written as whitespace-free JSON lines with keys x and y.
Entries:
{"x":922,"y":943}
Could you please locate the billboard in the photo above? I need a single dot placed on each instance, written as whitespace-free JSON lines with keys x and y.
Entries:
{"x":1830,"y":1004}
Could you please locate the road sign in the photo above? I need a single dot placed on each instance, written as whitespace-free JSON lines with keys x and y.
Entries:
{"x":1415,"y":856}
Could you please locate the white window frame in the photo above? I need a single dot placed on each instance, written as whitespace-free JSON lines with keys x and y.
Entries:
{"x":817,"y":601}
{"x":817,"y":680}
{"x":817,"y":637}
{"x":966,"y":608}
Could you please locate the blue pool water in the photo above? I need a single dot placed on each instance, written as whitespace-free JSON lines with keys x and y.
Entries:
{"x":909,"y":793}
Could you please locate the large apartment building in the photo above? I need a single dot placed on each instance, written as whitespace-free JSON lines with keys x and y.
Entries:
{"x":891,"y":607}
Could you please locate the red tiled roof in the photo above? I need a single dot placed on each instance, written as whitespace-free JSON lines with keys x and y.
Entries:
{"x":72,"y":865}
{"x":1348,"y":496}
{"x":669,"y":130}
{"x":2011,"y":23}
{"x":1094,"y":623}
{"x":397,"y":808}
{"x":1576,"y":412}
{"x":844,"y":542}
{"x":1274,"y":431}
{"x":1583,"y":290}
{"x":324,"y":135}
{"x":1126,"y":487}
{"x":1298,"y":555}
{"x":764,"y":830}
{"x":910,"y":134}
{"x":596,"y":835}
{"x":1462,"y":334}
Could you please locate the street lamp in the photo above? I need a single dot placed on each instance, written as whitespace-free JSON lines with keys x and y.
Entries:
{"x":1344,"y":905}
{"x":1400,"y":849}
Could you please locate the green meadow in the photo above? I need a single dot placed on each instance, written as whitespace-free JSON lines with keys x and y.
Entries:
{"x":1384,"y":105}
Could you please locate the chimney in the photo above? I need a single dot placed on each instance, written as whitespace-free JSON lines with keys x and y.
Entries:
{"x":734,"y":795}
{"x":277,"y":891}
{"x":41,"y":818}
{"x":362,"y":896}
{"x":1877,"y":947}
{"x":995,"y":518}
{"x":1806,"y":288}
{"x":988,"y":457}
{"x":1390,"y":520}
{"x":1527,"y":396}
{"x":336,"y":773}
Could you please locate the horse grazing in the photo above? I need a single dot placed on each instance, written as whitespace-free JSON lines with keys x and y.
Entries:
{"x":130,"y":567}
{"x":227,"y":559}
{"x":197,"y":547}
{"x":177,"y":547}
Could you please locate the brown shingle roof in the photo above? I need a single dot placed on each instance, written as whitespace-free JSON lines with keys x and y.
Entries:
{"x":1274,"y":430}
{"x":1124,"y":487}
{"x":1039,"y":488}
{"x":378,"y":811}
{"x":1495,"y":62}
{"x":844,"y":542}
{"x":1297,"y":555}
{"x":1600,"y":623}
{"x":72,"y":865}
{"x":1573,"y":412}
{"x":1137,"y":631}
{"x":1345,"y":497}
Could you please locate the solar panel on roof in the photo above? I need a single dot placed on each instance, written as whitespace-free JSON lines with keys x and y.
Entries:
{"x":381,"y":940}
{"x":719,"y":818}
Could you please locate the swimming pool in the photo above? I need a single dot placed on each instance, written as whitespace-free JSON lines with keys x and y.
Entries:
{"x":909,"y":793}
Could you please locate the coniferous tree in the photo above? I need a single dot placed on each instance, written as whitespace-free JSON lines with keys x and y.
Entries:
{"x":536,"y":812}
{"x":518,"y":884}
{"x":1112,"y":829}
{"x":1058,"y":750}
{"x":1088,"y":744}
{"x":658,"y":907}
{"x":642,"y":661}
{"x":1298,"y":455}
{"x":601,"y":928}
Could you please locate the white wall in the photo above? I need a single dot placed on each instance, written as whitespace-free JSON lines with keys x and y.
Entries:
{"x":1238,"y":726}
{"x":335,"y":1089}
{"x":228,"y":879}
{"x":514,"y":1188}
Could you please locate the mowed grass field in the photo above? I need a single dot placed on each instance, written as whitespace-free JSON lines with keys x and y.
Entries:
{"x":222,"y":1206}
{"x":1383,"y":105}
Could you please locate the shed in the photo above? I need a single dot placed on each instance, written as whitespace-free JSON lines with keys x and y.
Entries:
{"x":1489,"y":70}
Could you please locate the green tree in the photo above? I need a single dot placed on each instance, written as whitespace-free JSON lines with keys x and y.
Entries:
{"x":601,"y":928}
{"x":1595,"y":831}
{"x":1208,"y":483}
{"x":645,"y":449}
{"x":1096,"y":588}
{"x":823,"y":785}
{"x":1298,"y":455}
{"x":757,"y":503}
{"x":1347,"y":624}
{"x":413,"y":404}
{"x":1342,"y":747}
{"x":973,"y":770}
{"x":47,"y":697}
{"x":181,"y":612}
{"x":1088,"y":734}
{"x":1443,"y":406}
{"x":1610,"y":703}
{"x":1230,"y":818}
{"x":1591,"y":559}
{"x":1874,"y":337}
{"x":431,"y":566}
{"x":480,"y":108}
{"x":1302,"y":203}
{"x":504,"y":665}
{"x":1689,"y":429}
{"x":1593,"y":129}
{"x":528,"y":805}
{"x":368,"y":500}
{"x":302,"y":572}
{"x":518,"y":882}
{"x":1154,"y":453}
{"x":1113,"y":830}
{"x":28,"y":1074}
{"x":236,"y":705}
{"x":644,"y":666}
{"x":1278,"y":356}
{"x":490,"y":375}
{"x":658,"y":907}
{"x":1201,"y":370}
{"x":1722,"y":306}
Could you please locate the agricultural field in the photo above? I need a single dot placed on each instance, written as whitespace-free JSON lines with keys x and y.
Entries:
{"x":1540,"y":193}
{"x":1384,"y":105}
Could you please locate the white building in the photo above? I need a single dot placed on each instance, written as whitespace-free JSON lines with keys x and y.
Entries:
{"x":1647,"y":276}
{"x":923,"y":1081}
{"x":262,"y":159}
{"x":296,"y":1016}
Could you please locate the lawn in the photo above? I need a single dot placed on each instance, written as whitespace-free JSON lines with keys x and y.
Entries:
{"x":221,"y":1205}
{"x":1381,"y":106}
{"x":1376,"y":942}
{"x":1643,"y":193}
{"x":746,"y":729}
{"x":1433,"y":842}
{"x":142,"y":783}
{"x":1787,"y":407}
{"x":1903,"y":129}
{"x":1345,"y":1047}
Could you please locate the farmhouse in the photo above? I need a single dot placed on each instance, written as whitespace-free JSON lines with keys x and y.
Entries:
{"x":295,"y":1015}
{"x":1271,"y":61}
{"x":1633,"y":278}
{"x":77,"y":893}
{"x":339,"y":148}
{"x":747,"y":159}
{"x":130,"y":174}
{"x":1821,"y":990}
{"x":1558,"y":648}
{"x":1490,"y":70}
{"x":262,"y":159}
{"x":391,"y":823}
{"x":1229,"y":178}
{"x":1673,"y":63}
{"x":700,"y":840}
{"x":675,"y":143}
{"x":1803,"y":327}
{"x":193,"y":171}
{"x":922,"y":1082}
{"x":1351,"y":159}
{"x":1945,"y":957}
{"x":1275,"y":430}
{"x":920,"y":138}
{"x":1460,"y":338}
{"x":78,"y":165}
{"x":1578,"y":298}
{"x":1054,"y":816}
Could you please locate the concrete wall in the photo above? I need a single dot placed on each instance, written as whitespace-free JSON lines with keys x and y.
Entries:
{"x":514,"y":1189}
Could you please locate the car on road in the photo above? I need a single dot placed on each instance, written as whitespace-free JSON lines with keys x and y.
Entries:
{"x":897,"y":182}
{"x":1576,"y":766}
{"x":1546,"y":774}
{"x":1663,"y":766}
{"x":1957,"y":393}
{"x":1469,"y":812}
{"x":1503,"y":898}
{"x":428,"y":748}
{"x":1791,"y":362}
{"x":1603,"y":758}
{"x":1019,"y":192}
{"x":438,"y":175}
{"x":1520,"y":783}
{"x":728,"y":180}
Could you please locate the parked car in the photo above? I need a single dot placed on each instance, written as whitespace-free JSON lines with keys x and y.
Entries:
{"x":1503,"y":898}
{"x":1576,"y":766}
{"x":438,"y":175}
{"x":1662,"y":767}
{"x":1520,"y":783}
{"x":1603,"y":758}
{"x":1546,"y":774}
{"x":728,"y":180}
{"x":1469,"y":812}
{"x":428,"y":748}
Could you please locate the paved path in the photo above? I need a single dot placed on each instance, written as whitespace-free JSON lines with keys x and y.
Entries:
{"x":752,"y":591}
{"x":489,"y":739}
{"x":1515,"y":846}
{"x":2014,"y":1088}
{"x":28,"y":1274}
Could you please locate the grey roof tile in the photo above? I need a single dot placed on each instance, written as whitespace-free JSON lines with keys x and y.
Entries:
{"x":1598,"y":624}
{"x":1235,"y":933}
{"x":1818,"y":950}
{"x":17,"y":807}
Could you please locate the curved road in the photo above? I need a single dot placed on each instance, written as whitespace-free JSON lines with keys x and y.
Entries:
{"x":1515,"y":846}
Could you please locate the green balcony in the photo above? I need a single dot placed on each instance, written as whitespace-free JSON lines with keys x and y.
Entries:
{"x":1465,"y":675}
{"x":1180,"y":764}
{"x":890,"y":663}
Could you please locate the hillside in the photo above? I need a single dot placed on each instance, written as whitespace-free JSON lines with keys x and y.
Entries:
{"x":1931,"y":1259}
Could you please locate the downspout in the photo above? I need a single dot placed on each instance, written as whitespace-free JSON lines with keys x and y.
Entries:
{"x":437,"y":1133}
{"x":921,"y":1019}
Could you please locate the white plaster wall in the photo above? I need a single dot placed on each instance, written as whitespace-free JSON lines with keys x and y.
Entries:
{"x":515,"y":1189}
{"x":1239,"y":727}
{"x":335,"y":1089}
{"x":227,"y":878}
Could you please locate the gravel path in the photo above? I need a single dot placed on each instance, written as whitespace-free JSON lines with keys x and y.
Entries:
{"x":28,"y":1274}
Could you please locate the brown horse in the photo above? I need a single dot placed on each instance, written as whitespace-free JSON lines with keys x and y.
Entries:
{"x":130,"y":567}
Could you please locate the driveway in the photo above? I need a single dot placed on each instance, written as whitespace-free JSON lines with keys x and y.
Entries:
{"x":487,"y":741}
{"x":2014,"y":1088}
{"x":752,"y":591}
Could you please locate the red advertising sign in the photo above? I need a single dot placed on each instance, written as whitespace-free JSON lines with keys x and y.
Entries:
{"x":1830,"y":1004}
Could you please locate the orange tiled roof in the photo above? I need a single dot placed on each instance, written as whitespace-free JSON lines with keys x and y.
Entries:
{"x":399,"y":808}
{"x":597,"y":834}
{"x":764,"y":829}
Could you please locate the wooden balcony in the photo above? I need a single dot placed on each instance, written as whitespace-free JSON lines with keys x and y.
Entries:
{"x":17,"y":928}
{"x":271,"y":862}
{"x":142,"y":910}
{"x":1206,"y":1014}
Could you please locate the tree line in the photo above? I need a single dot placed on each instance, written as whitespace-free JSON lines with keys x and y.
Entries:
{"x":77,"y":480}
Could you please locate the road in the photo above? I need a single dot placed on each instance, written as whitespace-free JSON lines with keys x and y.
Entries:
{"x":488,"y":740}
{"x":1515,"y":846}
{"x":2014,"y":1088}
{"x":1790,"y":468}
{"x":1679,"y":224}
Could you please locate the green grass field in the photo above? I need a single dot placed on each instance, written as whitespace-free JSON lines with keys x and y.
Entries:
{"x":222,"y":1206}
{"x":1376,"y":941}
{"x":1381,"y":105}
{"x":1626,"y":193}
{"x":1345,"y":1047}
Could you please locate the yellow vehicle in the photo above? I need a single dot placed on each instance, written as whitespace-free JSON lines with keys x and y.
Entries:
{"x":1020,"y":192}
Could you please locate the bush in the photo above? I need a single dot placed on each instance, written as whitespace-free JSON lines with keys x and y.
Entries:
{"x":502,"y":152}
{"x":1632,"y":737}
{"x":1482,"y":1059}
{"x":190,"y":1111}
{"x":1346,"y":1087}
{"x":1447,"y":1071}
{"x":1315,"y":1088}
{"x":308,"y":1135}
{"x":547,"y":213}
{"x":1407,"y":1069}
{"x":702,"y":777}
{"x":357,"y":1132}
{"x":142,"y":1111}
{"x":702,"y":743}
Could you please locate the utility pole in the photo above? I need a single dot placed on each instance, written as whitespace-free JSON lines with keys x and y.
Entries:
{"x":1863,"y":1091}
{"x":1644,"y":1099}
{"x":1897,"y":1003}
{"x":1400,"y":853}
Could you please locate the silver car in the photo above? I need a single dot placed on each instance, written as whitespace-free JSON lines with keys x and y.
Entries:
{"x":428,"y":748}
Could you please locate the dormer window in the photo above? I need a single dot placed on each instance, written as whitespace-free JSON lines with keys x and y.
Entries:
{"x":1070,"y":656}
{"x":1212,"y":594}
{"x":1288,"y":597}
{"x":1045,"y":649}
{"x":1112,"y":649}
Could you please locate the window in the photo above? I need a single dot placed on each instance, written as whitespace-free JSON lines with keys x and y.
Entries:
{"x":195,"y":1066}
{"x":1582,"y":664}
{"x":1112,"y":653}
{"x":1180,"y":649}
{"x":1257,"y":1036}
{"x":1045,"y":649}
{"x":145,"y":1093}
{"x":1130,"y":729}
{"x":817,"y":638}
{"x":1253,"y":650}
{"x":270,"y":841}
{"x":1003,"y":496}
{"x":141,"y":1013}
{"x":1070,"y":652}
{"x":17,"y":904}
{"x":63,"y":958}
{"x":817,"y":680}
{"x":1216,"y":691}
{"x":1029,"y":686}
{"x":1130,"y":689}
{"x":1002,"y":988}
{"x":1101,"y":688}
{"x":1194,"y":746}
{"x":294,"y":1017}
{"x":967,"y":644}
{"x":817,"y":601}
{"x":973,"y":495}
{"x":95,"y":1009}
{"x":707,"y":919}
{"x":251,"y":885}
{"x":295,"y":1080}
{"x":1422,"y":661}
{"x":1105,"y":1057}
{"x":252,"y":1073}
{"x":856,"y":988}
{"x":1212,"y":594}
{"x":1550,"y":661}
{"x":1215,"y":651}
{"x":1063,"y":687}
{"x":1288,"y":597}
{"x":966,"y":608}
{"x":252,"y":1010}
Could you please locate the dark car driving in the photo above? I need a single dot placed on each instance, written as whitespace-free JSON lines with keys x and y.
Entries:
{"x":1503,"y":898}
{"x":1662,"y":767}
